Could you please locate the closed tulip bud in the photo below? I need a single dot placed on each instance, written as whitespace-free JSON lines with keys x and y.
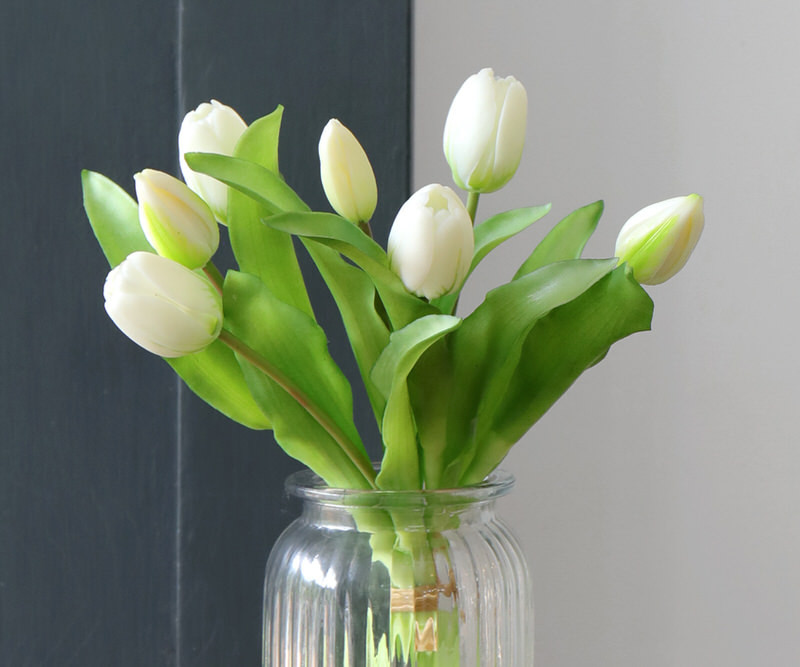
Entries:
{"x":431,"y":242}
{"x":347,"y":176}
{"x":176,"y":222}
{"x":485,"y":131}
{"x":211,"y":128}
{"x":161,"y":305}
{"x":657,"y":241}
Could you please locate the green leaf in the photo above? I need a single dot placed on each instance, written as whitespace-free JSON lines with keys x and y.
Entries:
{"x":488,"y":345}
{"x":431,"y":388}
{"x":264,"y":186}
{"x":354,"y":294}
{"x":215,"y":376}
{"x":501,"y":227}
{"x":259,"y":143}
{"x":114,"y":216}
{"x":261,"y":250}
{"x":341,"y":235}
{"x":557,"y":350}
{"x":310,"y":405}
{"x":400,"y":466}
{"x":330,"y":229}
{"x":566,"y":240}
{"x":490,"y":234}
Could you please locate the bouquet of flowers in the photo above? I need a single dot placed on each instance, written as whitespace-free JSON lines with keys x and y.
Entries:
{"x":451,"y":393}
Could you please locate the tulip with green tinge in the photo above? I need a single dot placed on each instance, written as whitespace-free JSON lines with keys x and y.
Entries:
{"x":485,"y":131}
{"x":162,"y":306}
{"x":175,"y":221}
{"x":657,"y":241}
{"x":211,"y":128}
{"x":346,"y":174}
{"x":431,"y":242}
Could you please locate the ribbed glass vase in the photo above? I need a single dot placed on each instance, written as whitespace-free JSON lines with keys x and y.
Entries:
{"x":396,"y":578}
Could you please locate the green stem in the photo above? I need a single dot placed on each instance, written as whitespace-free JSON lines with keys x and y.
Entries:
{"x":213,"y":274}
{"x":359,"y":460}
{"x":472,"y":209}
{"x":472,"y":204}
{"x":364,"y":227}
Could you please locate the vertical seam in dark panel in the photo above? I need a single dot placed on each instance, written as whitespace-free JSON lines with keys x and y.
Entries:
{"x":410,"y":96}
{"x":179,"y":107}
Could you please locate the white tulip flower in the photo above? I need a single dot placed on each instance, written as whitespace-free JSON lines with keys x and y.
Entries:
{"x":485,"y":131}
{"x":346,"y":173}
{"x":656,"y":242}
{"x":431,"y":242}
{"x":175,"y":221}
{"x":211,"y":128}
{"x":162,"y":306}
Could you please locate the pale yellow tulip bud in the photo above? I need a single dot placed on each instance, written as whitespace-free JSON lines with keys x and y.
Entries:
{"x":175,"y":221}
{"x":162,"y":306}
{"x":346,"y":174}
{"x":656,"y":242}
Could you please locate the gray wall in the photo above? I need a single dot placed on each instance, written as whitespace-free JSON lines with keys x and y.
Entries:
{"x":658,"y":502}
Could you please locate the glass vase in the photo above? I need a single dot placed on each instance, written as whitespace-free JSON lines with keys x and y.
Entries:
{"x":396,"y":578}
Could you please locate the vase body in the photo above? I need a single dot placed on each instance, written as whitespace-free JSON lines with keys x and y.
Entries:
{"x":396,"y":578}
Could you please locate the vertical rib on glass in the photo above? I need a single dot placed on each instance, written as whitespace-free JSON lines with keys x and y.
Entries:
{"x":397,"y":578}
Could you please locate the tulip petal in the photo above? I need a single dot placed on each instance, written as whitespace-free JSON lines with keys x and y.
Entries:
{"x":656,"y":242}
{"x":485,"y":131}
{"x":431,"y":242}
{"x":211,"y":128}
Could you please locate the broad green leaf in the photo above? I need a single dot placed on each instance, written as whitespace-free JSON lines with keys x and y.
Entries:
{"x":305,"y":395}
{"x":490,"y":234}
{"x":114,"y":216}
{"x":354,"y":294}
{"x":264,"y":186}
{"x":400,"y":466}
{"x":261,"y":250}
{"x":341,"y":235}
{"x":558,"y":349}
{"x":501,"y":227}
{"x":213,"y":374}
{"x":487,"y":346}
{"x":259,"y":143}
{"x":327,"y":227}
{"x":566,"y":240}
{"x":431,"y":387}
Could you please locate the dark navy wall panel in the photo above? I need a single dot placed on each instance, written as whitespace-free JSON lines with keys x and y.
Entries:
{"x":319,"y":59}
{"x":134,"y":520}
{"x":87,"y":456}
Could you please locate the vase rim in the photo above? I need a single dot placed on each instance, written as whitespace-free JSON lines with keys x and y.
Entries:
{"x":307,"y":485}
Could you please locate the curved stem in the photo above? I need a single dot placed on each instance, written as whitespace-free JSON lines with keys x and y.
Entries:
{"x":361,"y":462}
{"x":214,"y":275}
{"x":365,"y":227}
{"x":472,"y":204}
{"x":472,"y":209}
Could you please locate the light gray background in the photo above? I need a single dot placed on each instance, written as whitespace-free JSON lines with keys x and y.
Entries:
{"x":659,"y":501}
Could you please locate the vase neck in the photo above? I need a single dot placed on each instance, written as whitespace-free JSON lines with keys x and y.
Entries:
{"x":399,"y":516}
{"x":388,"y":510}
